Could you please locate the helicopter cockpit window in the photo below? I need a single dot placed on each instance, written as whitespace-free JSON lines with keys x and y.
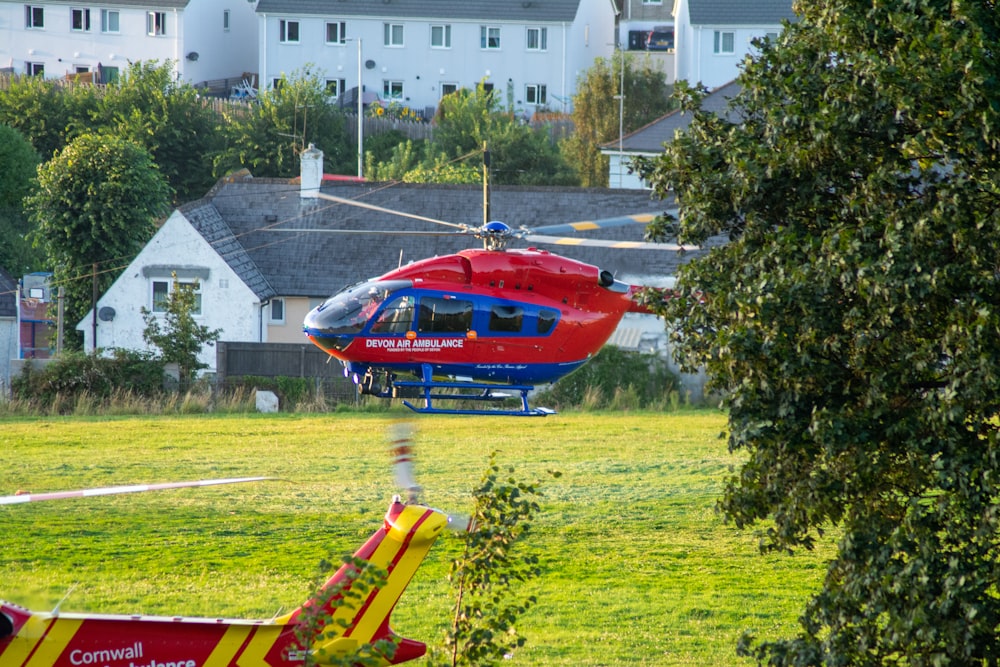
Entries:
{"x":440,"y":315}
{"x":506,"y":318}
{"x":349,"y":311}
{"x":396,"y":317}
{"x":546,"y":320}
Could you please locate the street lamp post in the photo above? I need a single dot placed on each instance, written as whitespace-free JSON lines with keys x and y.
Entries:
{"x":361,"y":114}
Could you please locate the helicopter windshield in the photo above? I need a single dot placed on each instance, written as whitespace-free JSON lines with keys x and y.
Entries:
{"x":347,"y":312}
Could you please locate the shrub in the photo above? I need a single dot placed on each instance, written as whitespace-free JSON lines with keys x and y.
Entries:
{"x":616,"y":379}
{"x":73,"y":376}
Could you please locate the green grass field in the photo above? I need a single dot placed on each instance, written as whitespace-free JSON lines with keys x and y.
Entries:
{"x":637,"y":567}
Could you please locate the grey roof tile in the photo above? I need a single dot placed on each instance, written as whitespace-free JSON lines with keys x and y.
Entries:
{"x":739,"y":12}
{"x":259,"y":215}
{"x":507,"y":10}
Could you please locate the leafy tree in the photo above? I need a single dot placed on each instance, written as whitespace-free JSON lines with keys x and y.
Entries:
{"x":268,"y":137}
{"x":18,"y":162}
{"x":467,"y":120}
{"x":596,"y":110}
{"x":485,"y":575}
{"x":149,"y":106}
{"x":179,"y":337}
{"x":46,"y":111}
{"x":853,"y":320}
{"x":95,"y":206}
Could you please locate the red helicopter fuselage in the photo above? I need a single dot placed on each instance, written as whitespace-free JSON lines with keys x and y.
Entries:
{"x":497,"y":316}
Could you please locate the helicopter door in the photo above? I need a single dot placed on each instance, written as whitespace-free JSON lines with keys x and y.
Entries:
{"x":444,"y":324}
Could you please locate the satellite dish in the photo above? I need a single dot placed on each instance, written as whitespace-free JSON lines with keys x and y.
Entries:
{"x":106,"y":313}
{"x":369,"y":64}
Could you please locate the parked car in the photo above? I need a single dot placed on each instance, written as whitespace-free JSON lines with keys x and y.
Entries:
{"x":660,"y":38}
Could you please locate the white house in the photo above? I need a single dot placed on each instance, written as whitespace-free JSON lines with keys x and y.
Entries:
{"x":713,"y":36}
{"x":262,"y":258}
{"x":414,"y":51}
{"x":207,"y":39}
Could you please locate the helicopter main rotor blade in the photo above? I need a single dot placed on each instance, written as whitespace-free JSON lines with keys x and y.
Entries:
{"x":114,"y":490}
{"x":381,"y":209}
{"x":601,"y":243}
{"x":375,"y":232}
{"x":605,"y":223}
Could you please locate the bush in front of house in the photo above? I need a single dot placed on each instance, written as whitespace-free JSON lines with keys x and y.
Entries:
{"x":101,"y":378}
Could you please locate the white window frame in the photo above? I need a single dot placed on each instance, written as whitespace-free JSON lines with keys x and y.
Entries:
{"x":443,"y":36}
{"x":392,"y":35}
{"x":106,"y":20}
{"x":34,"y":69}
{"x":84,"y":19}
{"x":285,"y":27}
{"x":489,"y":37}
{"x":34,"y":17}
{"x":276,"y":311}
{"x":719,"y":39}
{"x":541,"y":39}
{"x":392,"y":89}
{"x":448,"y":87}
{"x":536,"y":94}
{"x":156,"y":24}
{"x":340,"y":30}
{"x":335,"y":87}
{"x":160,"y":307}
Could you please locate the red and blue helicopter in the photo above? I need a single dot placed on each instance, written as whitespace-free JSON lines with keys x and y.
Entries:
{"x":481,"y":323}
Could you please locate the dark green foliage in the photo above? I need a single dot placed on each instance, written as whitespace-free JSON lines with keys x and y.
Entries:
{"x":317,"y":625}
{"x":268,"y":137}
{"x":489,"y":571}
{"x":853,"y":322}
{"x":177,"y":334}
{"x":74,"y":375}
{"x":645,"y":378}
{"x":598,"y":117}
{"x":150,"y":107}
{"x":96,"y":203}
{"x":18,"y":162}
{"x":47,"y":112}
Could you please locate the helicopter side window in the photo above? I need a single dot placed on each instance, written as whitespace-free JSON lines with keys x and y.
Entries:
{"x":506,"y":319}
{"x":440,"y":315}
{"x":546,"y":320}
{"x":396,"y":317}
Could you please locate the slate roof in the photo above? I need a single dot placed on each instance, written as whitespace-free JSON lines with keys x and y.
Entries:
{"x":248,"y":221}
{"x":650,"y":138}
{"x":496,"y":10}
{"x":8,"y":295}
{"x":739,"y":12}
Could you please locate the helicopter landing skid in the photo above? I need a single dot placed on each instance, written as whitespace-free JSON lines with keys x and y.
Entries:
{"x":489,"y":392}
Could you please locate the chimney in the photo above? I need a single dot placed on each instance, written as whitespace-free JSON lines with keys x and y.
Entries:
{"x":312,"y":172}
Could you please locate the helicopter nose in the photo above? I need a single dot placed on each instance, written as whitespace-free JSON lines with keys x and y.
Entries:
{"x":323,"y":326}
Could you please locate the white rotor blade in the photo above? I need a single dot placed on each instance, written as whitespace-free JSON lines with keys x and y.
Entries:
{"x":114,"y":490}
{"x":381,"y":209}
{"x":628,"y":245}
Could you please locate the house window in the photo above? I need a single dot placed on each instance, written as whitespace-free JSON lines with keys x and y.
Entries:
{"x":336,"y":32}
{"x":440,"y":36}
{"x":277,"y":311}
{"x":156,"y":24}
{"x":225,"y":20}
{"x":109,"y":20}
{"x":288,"y":31}
{"x":79,"y":19}
{"x":34,"y":16}
{"x":335,"y":87}
{"x":162,"y":290}
{"x":34,"y":69}
{"x":392,"y":90}
{"x":538,"y":39}
{"x":392,"y":34}
{"x":534,"y":93}
{"x":489,"y":37}
{"x":724,"y":42}
{"x":652,"y":2}
{"x":448,"y":88}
